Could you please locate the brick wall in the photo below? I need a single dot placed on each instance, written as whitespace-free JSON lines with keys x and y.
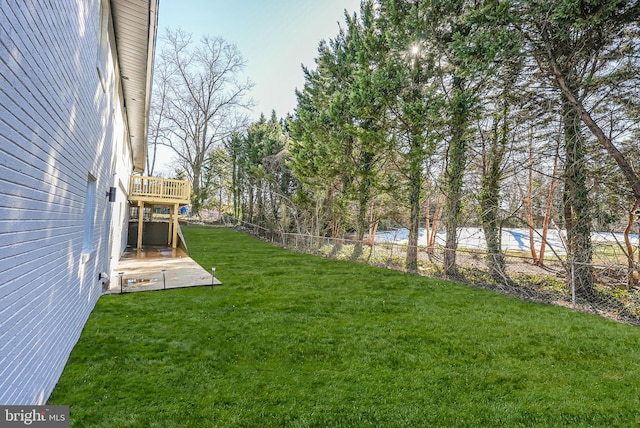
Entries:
{"x":61,"y":132}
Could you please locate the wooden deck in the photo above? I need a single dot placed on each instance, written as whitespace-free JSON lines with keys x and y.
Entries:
{"x":159,"y":191}
{"x":157,"y":268}
{"x":156,"y":191}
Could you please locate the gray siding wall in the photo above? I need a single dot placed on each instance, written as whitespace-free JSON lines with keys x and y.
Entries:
{"x":58,"y":127}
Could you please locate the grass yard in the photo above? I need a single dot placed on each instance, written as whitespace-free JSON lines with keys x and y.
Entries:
{"x":300,"y":341}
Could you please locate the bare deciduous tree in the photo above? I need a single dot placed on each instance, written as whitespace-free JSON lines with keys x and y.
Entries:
{"x":204,"y":101}
{"x":157,"y":127}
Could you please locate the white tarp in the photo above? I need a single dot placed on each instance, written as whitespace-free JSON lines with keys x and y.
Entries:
{"x":512,"y":239}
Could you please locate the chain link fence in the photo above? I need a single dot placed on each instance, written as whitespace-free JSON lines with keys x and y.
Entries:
{"x":552,"y":282}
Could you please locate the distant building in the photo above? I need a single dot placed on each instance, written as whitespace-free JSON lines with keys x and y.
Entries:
{"x":75,"y":84}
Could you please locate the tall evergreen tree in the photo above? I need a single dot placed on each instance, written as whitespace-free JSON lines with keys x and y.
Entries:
{"x":367,"y":105}
{"x":415,"y":115}
{"x":448,"y":25}
{"x":319,"y":150}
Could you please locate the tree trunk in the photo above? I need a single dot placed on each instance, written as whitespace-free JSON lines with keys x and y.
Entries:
{"x":411,"y":262}
{"x":490,"y":200}
{"x":427,"y":228}
{"x":259,"y":202}
{"x":435,"y":225}
{"x":530,"y":220}
{"x":549,"y":209}
{"x":362,"y":226}
{"x":251,"y":204}
{"x":491,"y":226}
{"x":633,"y":279}
{"x":234,"y":186}
{"x":364,"y":194}
{"x":196,"y":196}
{"x":579,"y":228}
{"x":456,"y":163}
{"x":415,"y":189}
{"x":374,"y":222}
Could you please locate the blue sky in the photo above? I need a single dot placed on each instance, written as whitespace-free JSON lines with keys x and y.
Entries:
{"x":274,"y":36}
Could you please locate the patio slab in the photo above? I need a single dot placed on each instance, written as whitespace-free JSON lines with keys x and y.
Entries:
{"x":157,"y":268}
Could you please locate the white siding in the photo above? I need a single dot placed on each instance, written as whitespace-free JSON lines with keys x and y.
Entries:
{"x":57,"y":127}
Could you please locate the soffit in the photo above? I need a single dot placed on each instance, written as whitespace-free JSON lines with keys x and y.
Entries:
{"x":134,"y":24}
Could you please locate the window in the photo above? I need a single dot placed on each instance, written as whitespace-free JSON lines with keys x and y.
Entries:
{"x":89,"y":217}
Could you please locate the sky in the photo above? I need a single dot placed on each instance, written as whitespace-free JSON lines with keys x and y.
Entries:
{"x":274,"y":36}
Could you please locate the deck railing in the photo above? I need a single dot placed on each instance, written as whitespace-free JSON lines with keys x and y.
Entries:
{"x":155,"y":189}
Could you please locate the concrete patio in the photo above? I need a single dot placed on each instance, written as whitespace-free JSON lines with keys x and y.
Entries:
{"x":157,"y":268}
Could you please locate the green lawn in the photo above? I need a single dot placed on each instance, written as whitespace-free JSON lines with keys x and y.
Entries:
{"x":295,"y":340}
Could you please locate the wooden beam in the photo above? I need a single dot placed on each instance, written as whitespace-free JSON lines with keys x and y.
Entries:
{"x":174,"y":241}
{"x":140,"y":223}
{"x":170,"y":233}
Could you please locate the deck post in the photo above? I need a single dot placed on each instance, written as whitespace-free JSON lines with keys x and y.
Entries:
{"x":169,"y":231}
{"x":140,"y":223}
{"x":174,"y":241}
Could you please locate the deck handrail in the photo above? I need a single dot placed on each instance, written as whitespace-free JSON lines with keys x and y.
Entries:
{"x":159,"y":189}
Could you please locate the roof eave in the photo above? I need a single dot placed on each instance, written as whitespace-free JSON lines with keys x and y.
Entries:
{"x":135,"y":27}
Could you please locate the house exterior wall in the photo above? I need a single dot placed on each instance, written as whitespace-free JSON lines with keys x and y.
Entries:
{"x":63,"y":143}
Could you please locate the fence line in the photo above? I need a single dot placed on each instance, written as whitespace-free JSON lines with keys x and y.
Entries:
{"x":552,"y":282}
